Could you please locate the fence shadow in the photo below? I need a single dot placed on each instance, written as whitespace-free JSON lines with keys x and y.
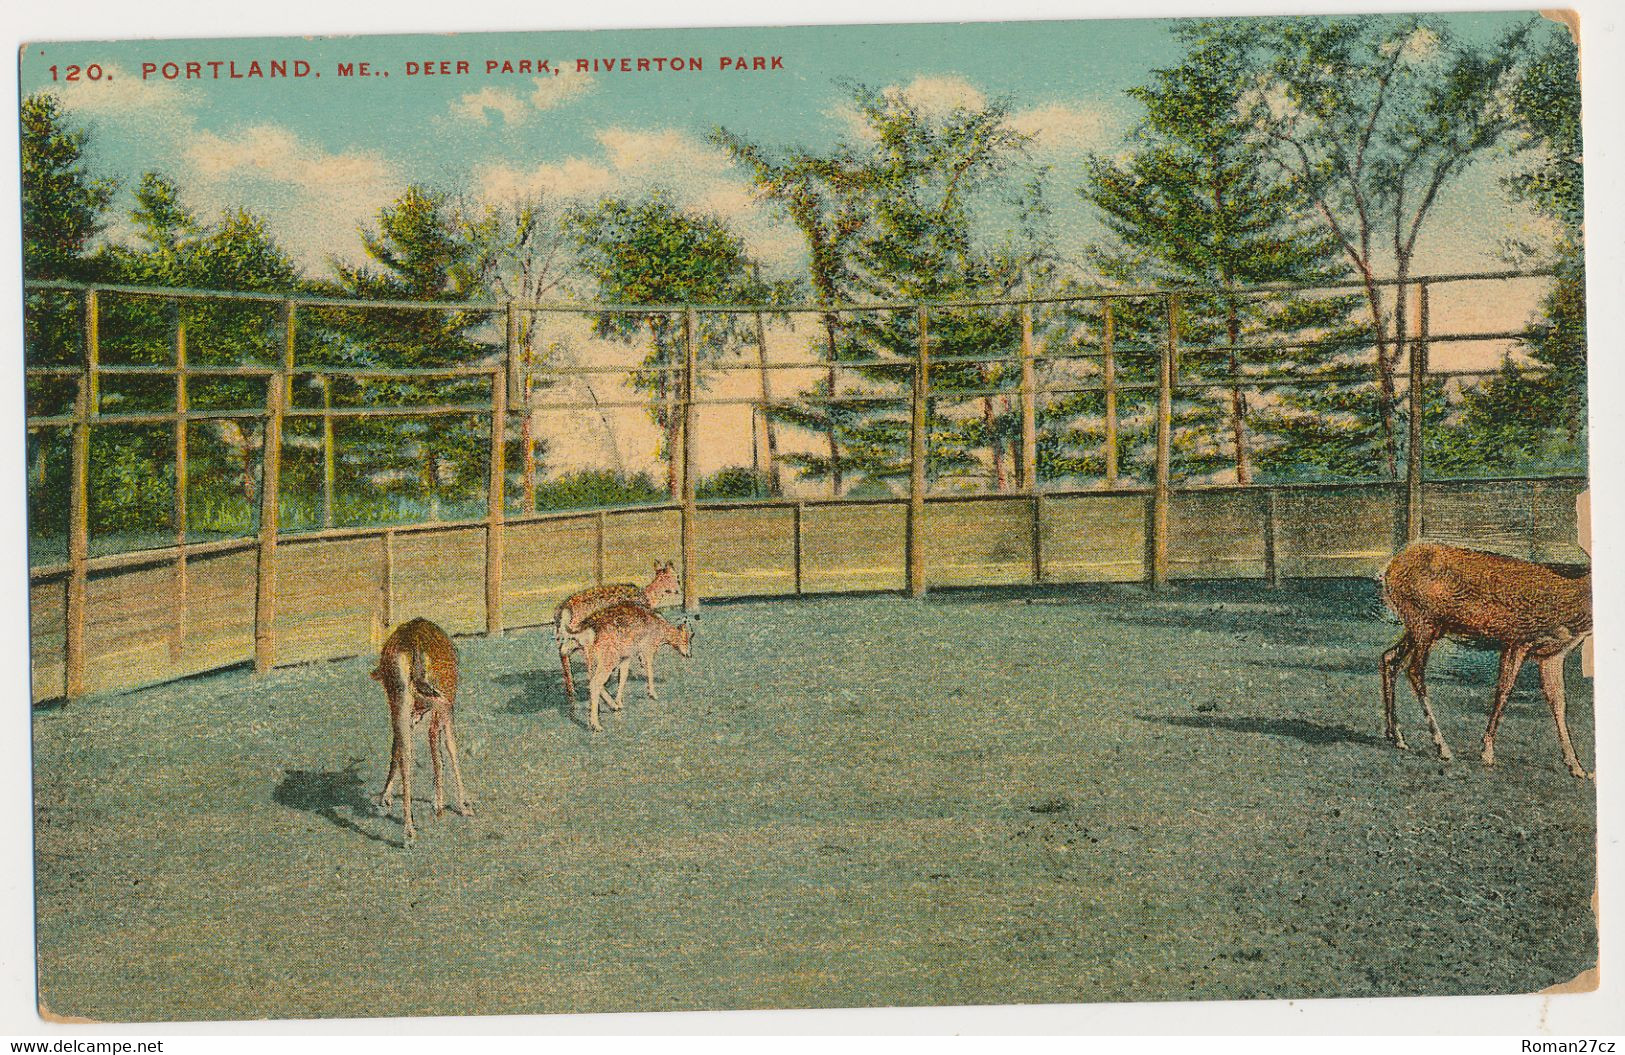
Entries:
{"x":1288,"y":728}
{"x":336,"y":796}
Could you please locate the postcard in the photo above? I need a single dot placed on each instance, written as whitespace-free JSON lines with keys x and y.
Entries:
{"x":824,"y":517}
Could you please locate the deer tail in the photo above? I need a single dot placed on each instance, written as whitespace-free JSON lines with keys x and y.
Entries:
{"x":421,"y":684}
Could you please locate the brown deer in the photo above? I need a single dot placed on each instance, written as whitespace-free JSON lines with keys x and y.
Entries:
{"x":1524,"y":609}
{"x":418,"y":668}
{"x":567,"y":619}
{"x":611,"y":638}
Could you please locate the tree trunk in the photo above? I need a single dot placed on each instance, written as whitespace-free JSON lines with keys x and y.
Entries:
{"x":1397,"y":363}
{"x":834,"y":445}
{"x":672,"y":482}
{"x":1001,"y":474}
{"x":431,"y":481}
{"x":1238,"y":399}
{"x":527,"y":440}
{"x":1385,"y":376}
{"x":775,"y":485}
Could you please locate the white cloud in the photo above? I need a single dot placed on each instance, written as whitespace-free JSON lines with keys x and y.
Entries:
{"x":559,"y":89}
{"x":122,"y":93}
{"x":314,"y":198}
{"x":549,"y":92}
{"x":667,"y":154}
{"x":698,"y":176}
{"x":940,"y":95}
{"x":1059,"y":128}
{"x":573,"y":178}
{"x":474,"y":105}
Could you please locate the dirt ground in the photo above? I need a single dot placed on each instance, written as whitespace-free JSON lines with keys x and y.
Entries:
{"x":1082,"y":794}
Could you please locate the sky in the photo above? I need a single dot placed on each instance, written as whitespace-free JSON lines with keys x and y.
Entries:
{"x":319,"y":155}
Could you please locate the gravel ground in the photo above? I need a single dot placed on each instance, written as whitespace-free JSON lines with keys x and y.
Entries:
{"x":1084,"y":794}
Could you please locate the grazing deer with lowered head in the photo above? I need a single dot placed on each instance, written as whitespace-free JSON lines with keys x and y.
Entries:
{"x":1524,"y":609}
{"x":567,"y":619}
{"x":611,"y":638}
{"x":418,"y":668}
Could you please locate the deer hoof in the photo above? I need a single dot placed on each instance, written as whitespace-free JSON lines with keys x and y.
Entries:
{"x":595,"y":727}
{"x":1398,"y":740}
{"x":1444,"y":753}
{"x":466,"y":810}
{"x":1487,"y":757}
{"x":1580,"y":774}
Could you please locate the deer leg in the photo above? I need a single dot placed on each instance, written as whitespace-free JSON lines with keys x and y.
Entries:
{"x":620,"y":689}
{"x":1416,"y":670}
{"x":564,"y":661}
{"x":597,"y":676}
{"x":434,"y":762}
{"x":456,"y":771}
{"x":1512,"y":658}
{"x":649,"y":673}
{"x":386,"y":796}
{"x":1391,"y":660}
{"x":403,"y":736}
{"x":1551,"y":681}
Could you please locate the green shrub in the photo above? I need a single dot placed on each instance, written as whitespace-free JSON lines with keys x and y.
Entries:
{"x":736,"y":481}
{"x":596,"y":487}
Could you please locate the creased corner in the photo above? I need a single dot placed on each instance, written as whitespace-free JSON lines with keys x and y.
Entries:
{"x":1587,"y":981}
{"x":1568,"y":18}
{"x":65,"y":1020}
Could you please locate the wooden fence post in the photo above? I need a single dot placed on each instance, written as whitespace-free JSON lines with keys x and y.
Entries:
{"x":1165,"y":403}
{"x":73,"y":659}
{"x":1029,"y":411}
{"x":598,"y":549}
{"x":278,"y":393}
{"x":915,"y":541}
{"x":1038,"y":537}
{"x":1418,"y":387}
{"x":799,"y":513}
{"x":92,"y":346}
{"x":1272,"y":521}
{"x":177,"y":638}
{"x":1108,"y":369}
{"x":329,"y":468}
{"x":691,"y":595}
{"x":516,"y":367}
{"x":386,"y":587}
{"x":496,"y":500}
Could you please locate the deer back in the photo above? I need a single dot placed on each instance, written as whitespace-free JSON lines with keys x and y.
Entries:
{"x":430,"y":655}
{"x":622,"y":629}
{"x":1470,"y":593}
{"x":579,"y":607}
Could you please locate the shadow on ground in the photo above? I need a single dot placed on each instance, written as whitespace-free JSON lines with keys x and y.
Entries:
{"x":330,"y":795}
{"x":1293,"y":728}
{"x":541,"y":691}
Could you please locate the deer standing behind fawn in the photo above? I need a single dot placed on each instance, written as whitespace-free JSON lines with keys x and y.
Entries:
{"x":612,"y":636}
{"x":418,"y":669}
{"x":1525,"y":609}
{"x":568,"y":617}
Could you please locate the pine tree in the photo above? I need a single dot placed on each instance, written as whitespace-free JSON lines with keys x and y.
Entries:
{"x":1192,"y":206}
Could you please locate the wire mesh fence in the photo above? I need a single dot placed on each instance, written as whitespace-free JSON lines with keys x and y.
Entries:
{"x":276,"y":478}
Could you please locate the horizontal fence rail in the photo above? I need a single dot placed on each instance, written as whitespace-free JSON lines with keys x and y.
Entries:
{"x":116,"y":621}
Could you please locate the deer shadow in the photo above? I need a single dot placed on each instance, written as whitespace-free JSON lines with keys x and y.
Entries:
{"x":541,"y":691}
{"x":1290,"y":728}
{"x":336,"y":796}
